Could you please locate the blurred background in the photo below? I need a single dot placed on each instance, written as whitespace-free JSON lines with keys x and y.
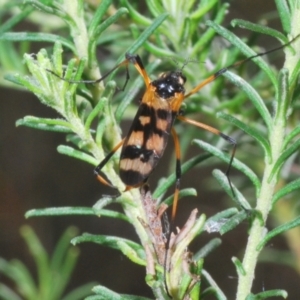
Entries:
{"x":34,"y":175}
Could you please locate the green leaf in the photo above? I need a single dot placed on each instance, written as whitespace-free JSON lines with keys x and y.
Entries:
{"x":260,"y":29}
{"x":103,"y":293}
{"x":157,"y":51}
{"x":108,"y":22}
{"x":243,"y":47}
{"x":237,"y":197}
{"x":283,"y":158}
{"x":63,"y":245}
{"x":57,"y":58}
{"x":135,"y":15}
{"x":7,"y":293}
{"x":284,"y":15}
{"x":95,"y":112}
{"x":220,"y":218}
{"x":207,"y":36}
{"x":10,"y":58}
{"x":218,"y":292}
{"x":147,"y":33}
{"x":196,"y":269}
{"x":131,"y":253}
{"x":14,"y":20}
{"x":239,"y":266}
{"x":268,"y":294}
{"x":289,"y":137}
{"x":80,"y":292}
{"x":142,"y":38}
{"x":295,"y":74}
{"x":283,"y":98}
{"x":67,"y":150}
{"x":182,"y":193}
{"x":45,"y":124}
{"x":47,"y":8}
{"x":22,"y":277}
{"x":17,"y":271}
{"x":287,"y":189}
{"x":165,"y":184}
{"x":234,"y":222}
{"x":249,"y":130}
{"x":97,"y":16}
{"x":279,"y":257}
{"x":253,"y":96}
{"x":278,"y":230}
{"x":155,"y":7}
{"x":109,"y":241}
{"x":207,"y":249}
{"x":39,"y":255}
{"x":36,"y":37}
{"x":63,"y":260}
{"x":81,"y":211}
{"x":202,"y":9}
{"x":236,"y":163}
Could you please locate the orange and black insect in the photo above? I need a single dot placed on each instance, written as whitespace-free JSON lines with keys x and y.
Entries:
{"x":148,"y":135}
{"x":160,"y":106}
{"x":152,"y":125}
{"x":147,"y":138}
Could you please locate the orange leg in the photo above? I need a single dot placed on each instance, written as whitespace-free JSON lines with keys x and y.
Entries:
{"x":219,"y":133}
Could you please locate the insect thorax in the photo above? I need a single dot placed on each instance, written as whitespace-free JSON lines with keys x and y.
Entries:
{"x":169,"y":83}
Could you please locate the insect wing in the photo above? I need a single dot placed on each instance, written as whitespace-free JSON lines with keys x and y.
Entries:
{"x":146,"y":141}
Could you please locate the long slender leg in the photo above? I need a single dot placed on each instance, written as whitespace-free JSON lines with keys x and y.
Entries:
{"x":130,"y":58}
{"x":222,"y":135}
{"x":104,"y":162}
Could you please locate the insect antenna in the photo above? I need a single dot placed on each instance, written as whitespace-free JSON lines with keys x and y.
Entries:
{"x":234,"y":65}
{"x":187,"y":61}
{"x":123,"y":63}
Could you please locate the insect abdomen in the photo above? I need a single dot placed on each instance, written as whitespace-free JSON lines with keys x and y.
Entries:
{"x":145,"y":144}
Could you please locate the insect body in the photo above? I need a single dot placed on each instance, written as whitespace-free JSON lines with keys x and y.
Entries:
{"x":147,"y":138}
{"x":151,"y":127}
{"x":146,"y":141}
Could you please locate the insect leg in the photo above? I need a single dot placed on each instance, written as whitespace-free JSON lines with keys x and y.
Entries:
{"x":124,"y":62}
{"x":104,"y":162}
{"x":222,"y":135}
{"x":129,"y":58}
{"x":137,"y":62}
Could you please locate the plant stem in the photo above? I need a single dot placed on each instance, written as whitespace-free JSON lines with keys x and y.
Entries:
{"x":258,"y":230}
{"x":264,"y":201}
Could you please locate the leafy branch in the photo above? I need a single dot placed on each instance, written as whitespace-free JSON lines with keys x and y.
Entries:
{"x":91,"y":120}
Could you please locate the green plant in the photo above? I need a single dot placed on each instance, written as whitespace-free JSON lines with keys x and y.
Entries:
{"x":172,"y":29}
{"x":53,"y":274}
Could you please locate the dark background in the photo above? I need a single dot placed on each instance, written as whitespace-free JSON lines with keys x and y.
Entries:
{"x":34,"y":175}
